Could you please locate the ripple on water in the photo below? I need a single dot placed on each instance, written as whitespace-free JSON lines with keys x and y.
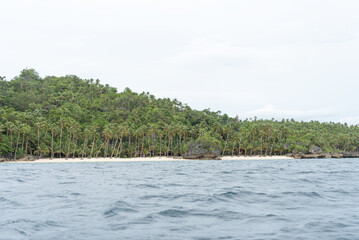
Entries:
{"x":173,"y":213}
{"x":27,"y":227}
{"x":16,"y":221}
{"x":46,"y":225}
{"x":20,"y":180}
{"x":75,"y":194}
{"x":303,"y":194}
{"x":217,"y":200}
{"x":228,"y":215}
{"x":237,"y":195}
{"x":67,"y":183}
{"x":10,"y":202}
{"x":118,"y":227}
{"x":163,"y":196}
{"x":147,"y":186}
{"x":119,"y":207}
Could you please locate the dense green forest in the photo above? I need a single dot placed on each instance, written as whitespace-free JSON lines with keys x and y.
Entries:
{"x":72,"y":117}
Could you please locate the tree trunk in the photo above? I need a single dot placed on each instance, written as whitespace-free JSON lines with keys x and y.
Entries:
{"x":93,"y":145}
{"x":129,"y":146}
{"x":225,"y":145}
{"x":239,"y":148}
{"x":114,"y":148}
{"x":17,"y":144}
{"x":23,"y":141}
{"x":75,"y":145}
{"x":69,"y":138}
{"x":234,"y":144}
{"x":119,"y":148}
{"x":60,"y":141}
{"x":38,"y":139}
{"x":99,"y":150}
{"x":160,"y":146}
{"x":154,"y":145}
{"x":27,"y":143}
{"x":52,"y":144}
{"x":149,"y":145}
{"x":83,"y":148}
{"x":143,"y":140}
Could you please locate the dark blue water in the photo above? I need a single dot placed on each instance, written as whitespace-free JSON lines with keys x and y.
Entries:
{"x":254,"y":199}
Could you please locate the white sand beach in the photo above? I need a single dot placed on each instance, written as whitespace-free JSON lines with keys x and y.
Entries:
{"x":145,"y":159}
{"x":255,"y":157}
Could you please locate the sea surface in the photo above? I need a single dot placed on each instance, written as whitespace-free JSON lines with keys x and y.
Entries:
{"x":249,"y":199}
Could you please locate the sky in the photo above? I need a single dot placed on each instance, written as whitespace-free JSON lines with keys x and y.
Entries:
{"x":270,"y":58}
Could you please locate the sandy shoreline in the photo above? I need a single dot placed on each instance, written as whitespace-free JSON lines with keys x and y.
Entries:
{"x":256,"y":158}
{"x":147,"y":159}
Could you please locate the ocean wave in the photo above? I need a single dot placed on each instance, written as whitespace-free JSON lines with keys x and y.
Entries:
{"x":173,"y":213}
{"x":119,"y":207}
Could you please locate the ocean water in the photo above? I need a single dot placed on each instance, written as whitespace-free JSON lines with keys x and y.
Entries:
{"x":254,"y":199}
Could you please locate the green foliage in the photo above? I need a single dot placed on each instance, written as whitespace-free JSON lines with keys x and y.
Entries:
{"x":5,"y":146}
{"x":208,"y":142}
{"x":300,"y":149}
{"x":72,"y":117}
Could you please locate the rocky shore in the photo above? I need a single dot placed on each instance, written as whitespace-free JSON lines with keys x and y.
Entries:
{"x":197,"y":151}
{"x":316,"y":152}
{"x":23,"y":159}
{"x":324,"y":155}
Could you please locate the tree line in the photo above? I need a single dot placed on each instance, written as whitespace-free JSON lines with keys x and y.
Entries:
{"x":66,"y":117}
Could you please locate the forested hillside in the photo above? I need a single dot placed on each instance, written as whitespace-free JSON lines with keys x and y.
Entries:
{"x":72,"y":117}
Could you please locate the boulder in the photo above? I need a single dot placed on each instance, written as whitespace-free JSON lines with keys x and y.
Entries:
{"x":337,"y":155}
{"x":296,"y":155}
{"x":26,"y":158}
{"x":309,"y":156}
{"x":196,"y":150}
{"x":306,"y":156}
{"x":287,"y":146}
{"x":315,"y":150}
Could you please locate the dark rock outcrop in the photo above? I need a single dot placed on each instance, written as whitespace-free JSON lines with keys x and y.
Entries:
{"x":350,"y":154}
{"x":337,"y":155}
{"x":287,"y":146}
{"x":24,"y":158}
{"x":306,"y":156}
{"x":196,"y":150}
{"x":315,"y":150}
{"x":325,"y":155}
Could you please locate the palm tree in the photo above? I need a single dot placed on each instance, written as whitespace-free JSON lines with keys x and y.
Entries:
{"x":53,"y":129}
{"x":61,"y":123}
{"x":107,"y":133}
{"x":227,"y":130}
{"x":87,"y":133}
{"x":93,"y":131}
{"x":17,"y":131}
{"x":122,"y":130}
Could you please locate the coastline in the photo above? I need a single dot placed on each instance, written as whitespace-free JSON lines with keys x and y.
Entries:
{"x":234,"y":158}
{"x":147,"y":159}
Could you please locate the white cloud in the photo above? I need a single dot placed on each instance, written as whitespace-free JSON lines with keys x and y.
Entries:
{"x":233,"y":56}
{"x":218,"y":52}
{"x":271,"y":111}
{"x":350,"y":120}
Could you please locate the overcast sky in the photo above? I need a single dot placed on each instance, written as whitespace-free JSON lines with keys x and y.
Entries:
{"x":281,"y":58}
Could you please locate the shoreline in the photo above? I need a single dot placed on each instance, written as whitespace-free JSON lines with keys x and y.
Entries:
{"x":147,"y":159}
